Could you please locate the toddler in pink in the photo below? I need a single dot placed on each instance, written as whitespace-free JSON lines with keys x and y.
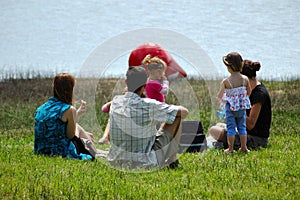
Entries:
{"x":158,"y":85}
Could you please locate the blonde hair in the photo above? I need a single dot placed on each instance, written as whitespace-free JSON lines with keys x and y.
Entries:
{"x":154,"y":62}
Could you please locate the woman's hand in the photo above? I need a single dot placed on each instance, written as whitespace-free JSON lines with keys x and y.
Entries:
{"x":81,"y":109}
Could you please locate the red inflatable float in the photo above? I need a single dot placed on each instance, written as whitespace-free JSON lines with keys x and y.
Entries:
{"x":173,"y":69}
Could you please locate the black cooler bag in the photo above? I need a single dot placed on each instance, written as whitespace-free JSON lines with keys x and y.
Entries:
{"x":192,"y":137}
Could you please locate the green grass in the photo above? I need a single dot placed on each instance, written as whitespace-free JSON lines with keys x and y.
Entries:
{"x":268,"y":173}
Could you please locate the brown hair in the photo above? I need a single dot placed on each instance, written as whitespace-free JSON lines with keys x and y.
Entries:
{"x":63,"y":85}
{"x":250,"y":68}
{"x":234,"y":61}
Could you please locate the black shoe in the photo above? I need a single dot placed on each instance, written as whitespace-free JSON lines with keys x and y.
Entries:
{"x":174,"y":165}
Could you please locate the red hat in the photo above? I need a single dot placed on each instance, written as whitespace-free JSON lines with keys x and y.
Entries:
{"x":136,"y":57}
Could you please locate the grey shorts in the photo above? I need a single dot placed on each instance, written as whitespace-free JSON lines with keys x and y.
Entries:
{"x":165,"y":146}
{"x":253,"y":142}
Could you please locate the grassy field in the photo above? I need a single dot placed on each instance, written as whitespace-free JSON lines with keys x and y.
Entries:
{"x":269,"y":173}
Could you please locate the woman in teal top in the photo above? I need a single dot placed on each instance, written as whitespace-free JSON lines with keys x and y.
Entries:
{"x":55,"y":122}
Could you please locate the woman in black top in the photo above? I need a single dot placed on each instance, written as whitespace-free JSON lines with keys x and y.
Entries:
{"x":259,"y":117}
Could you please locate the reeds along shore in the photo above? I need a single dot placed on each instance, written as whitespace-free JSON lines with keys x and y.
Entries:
{"x":33,"y":92}
{"x":284,"y":94}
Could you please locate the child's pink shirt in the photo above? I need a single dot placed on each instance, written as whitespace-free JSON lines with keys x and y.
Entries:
{"x":153,"y":90}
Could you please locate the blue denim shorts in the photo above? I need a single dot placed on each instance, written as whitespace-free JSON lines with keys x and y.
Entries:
{"x":235,"y":121}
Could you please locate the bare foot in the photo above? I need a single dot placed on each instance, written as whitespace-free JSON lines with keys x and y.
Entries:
{"x":228,"y":151}
{"x":103,"y":141}
{"x":245,"y":150}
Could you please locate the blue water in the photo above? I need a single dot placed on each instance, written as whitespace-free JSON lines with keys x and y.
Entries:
{"x":52,"y":36}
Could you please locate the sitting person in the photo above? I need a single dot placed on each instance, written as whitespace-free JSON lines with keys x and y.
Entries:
{"x":135,"y":141}
{"x":156,"y":88}
{"x":258,"y":120}
{"x":55,"y":122}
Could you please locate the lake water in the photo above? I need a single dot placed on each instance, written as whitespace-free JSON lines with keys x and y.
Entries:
{"x":42,"y":36}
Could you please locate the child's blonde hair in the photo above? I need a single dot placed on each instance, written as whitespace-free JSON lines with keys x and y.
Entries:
{"x":154,"y":63}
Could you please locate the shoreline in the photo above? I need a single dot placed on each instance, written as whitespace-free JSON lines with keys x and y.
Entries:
{"x":31,"y":75}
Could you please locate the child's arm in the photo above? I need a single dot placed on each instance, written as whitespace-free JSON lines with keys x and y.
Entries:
{"x":165,"y":87}
{"x":221,"y":91}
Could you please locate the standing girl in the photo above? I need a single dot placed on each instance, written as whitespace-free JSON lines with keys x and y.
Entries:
{"x":233,"y":95}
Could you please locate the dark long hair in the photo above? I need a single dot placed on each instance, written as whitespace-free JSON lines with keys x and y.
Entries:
{"x":63,"y":85}
{"x":234,"y":61}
